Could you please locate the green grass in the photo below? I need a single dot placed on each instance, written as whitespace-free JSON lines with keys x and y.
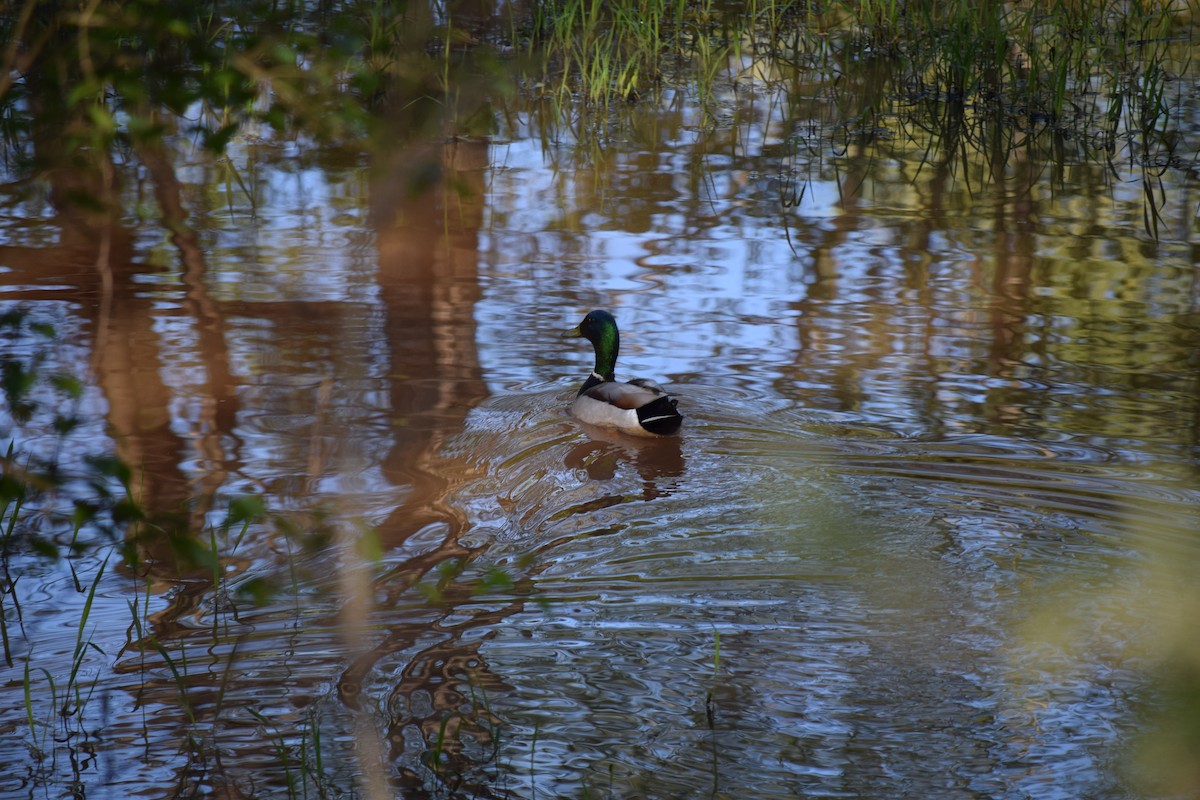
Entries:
{"x":357,"y":73}
{"x":1034,"y":63}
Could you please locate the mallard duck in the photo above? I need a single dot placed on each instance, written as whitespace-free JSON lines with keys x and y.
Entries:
{"x":639,"y":407}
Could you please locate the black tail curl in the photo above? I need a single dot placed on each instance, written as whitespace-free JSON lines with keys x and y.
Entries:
{"x":660,"y":417}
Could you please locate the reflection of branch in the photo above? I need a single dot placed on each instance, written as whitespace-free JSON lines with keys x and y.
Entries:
{"x":9,"y":67}
{"x":209,"y":321}
{"x":104,"y":270}
{"x":438,"y":674}
{"x":174,"y":215}
{"x":351,"y":683}
{"x":103,"y":260}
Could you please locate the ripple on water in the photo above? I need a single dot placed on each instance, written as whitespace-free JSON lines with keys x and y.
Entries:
{"x":848,"y":598}
{"x":875,"y":612}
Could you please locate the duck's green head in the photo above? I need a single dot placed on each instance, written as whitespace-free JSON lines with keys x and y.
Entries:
{"x":600,"y":328}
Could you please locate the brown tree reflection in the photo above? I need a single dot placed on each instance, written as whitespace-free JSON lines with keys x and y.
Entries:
{"x":95,"y":256}
{"x":426,"y":207}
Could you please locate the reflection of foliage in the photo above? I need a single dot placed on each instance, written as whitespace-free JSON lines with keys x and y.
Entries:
{"x":1083,"y":79}
{"x":1088,"y":77}
{"x":131,"y":71}
{"x":40,"y":399}
{"x":1038,"y":57}
{"x":1083,"y":82}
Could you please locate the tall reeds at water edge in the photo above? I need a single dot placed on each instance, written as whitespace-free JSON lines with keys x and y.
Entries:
{"x":333,"y":73}
{"x":600,"y":50}
{"x":1030,"y":54}
{"x":1104,"y":82}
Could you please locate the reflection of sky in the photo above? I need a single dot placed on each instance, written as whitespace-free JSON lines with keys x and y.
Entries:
{"x":696,"y":296}
{"x":305,"y":239}
{"x":686,"y":287}
{"x":683,"y":237}
{"x":888,"y":264}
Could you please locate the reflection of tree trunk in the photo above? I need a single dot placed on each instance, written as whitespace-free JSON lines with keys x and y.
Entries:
{"x":1015,"y":247}
{"x":455,"y":677}
{"x":220,"y":405}
{"x":428,"y":271}
{"x":126,"y":360}
{"x":96,"y":253}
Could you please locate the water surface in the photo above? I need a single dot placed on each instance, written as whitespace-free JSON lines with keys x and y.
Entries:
{"x":929,"y":529}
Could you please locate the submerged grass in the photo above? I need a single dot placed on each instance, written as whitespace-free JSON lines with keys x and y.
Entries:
{"x":82,"y":646}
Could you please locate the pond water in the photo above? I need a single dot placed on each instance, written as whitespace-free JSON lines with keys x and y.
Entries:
{"x":929,"y":530}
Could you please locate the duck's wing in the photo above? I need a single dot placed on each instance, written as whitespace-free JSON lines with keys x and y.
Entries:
{"x":632,"y":395}
{"x":646,"y":383}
